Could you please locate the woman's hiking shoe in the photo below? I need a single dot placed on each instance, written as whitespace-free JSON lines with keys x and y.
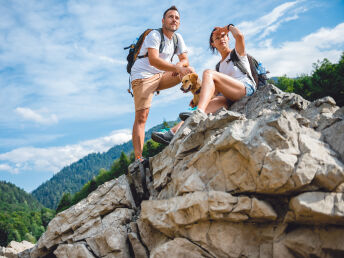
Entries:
{"x":199,"y":113}
{"x":163,"y":137}
{"x":184,"y":115}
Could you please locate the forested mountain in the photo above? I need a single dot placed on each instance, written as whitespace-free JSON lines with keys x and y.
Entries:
{"x":22,"y":217}
{"x":13,"y":198}
{"x":72,"y":178}
{"x":118,"y":168}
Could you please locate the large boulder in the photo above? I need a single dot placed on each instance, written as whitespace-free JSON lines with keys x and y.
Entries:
{"x":96,"y":225}
{"x":262,"y":179}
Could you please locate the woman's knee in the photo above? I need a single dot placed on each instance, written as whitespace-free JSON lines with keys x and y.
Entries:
{"x":208,"y":73}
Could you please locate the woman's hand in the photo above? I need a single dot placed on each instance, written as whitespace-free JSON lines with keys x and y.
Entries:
{"x":220,"y":31}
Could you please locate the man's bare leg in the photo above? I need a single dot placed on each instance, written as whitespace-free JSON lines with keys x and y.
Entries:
{"x":168,"y":81}
{"x":139,"y":131}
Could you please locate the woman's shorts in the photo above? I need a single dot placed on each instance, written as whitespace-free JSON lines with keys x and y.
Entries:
{"x":249,"y":89}
{"x":249,"y":92}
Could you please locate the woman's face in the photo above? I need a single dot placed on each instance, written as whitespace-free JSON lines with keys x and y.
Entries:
{"x":220,"y":39}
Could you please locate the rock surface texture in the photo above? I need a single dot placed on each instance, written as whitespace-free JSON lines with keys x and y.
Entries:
{"x":15,"y":249}
{"x":262,"y":179}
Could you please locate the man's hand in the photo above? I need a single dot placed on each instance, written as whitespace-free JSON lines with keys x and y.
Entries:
{"x":180,"y":64}
{"x":184,"y":71}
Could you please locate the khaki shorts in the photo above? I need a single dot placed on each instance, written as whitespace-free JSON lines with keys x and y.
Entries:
{"x":143,"y":89}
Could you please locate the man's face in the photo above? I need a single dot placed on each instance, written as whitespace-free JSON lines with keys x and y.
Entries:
{"x":171,"y":21}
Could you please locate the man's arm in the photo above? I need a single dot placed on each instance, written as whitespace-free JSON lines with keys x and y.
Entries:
{"x":157,"y":62}
{"x":183,"y":60}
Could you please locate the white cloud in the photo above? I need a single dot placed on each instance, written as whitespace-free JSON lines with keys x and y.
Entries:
{"x":31,"y":115}
{"x":68,"y":56}
{"x":8,"y":168}
{"x":53,"y":159}
{"x":267,"y":23}
{"x":325,"y":37}
{"x":296,"y":57}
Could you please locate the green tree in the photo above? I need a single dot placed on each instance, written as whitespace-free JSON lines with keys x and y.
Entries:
{"x":29,"y":237}
{"x":14,"y":235}
{"x":327,"y":79}
{"x":165,"y":124}
{"x":151,"y":148}
{"x":65,"y":202}
{"x":4,"y":232}
{"x":118,"y":168}
{"x":286,"y":84}
{"x":46,"y":216}
{"x":123,"y":163}
{"x":93,"y":185}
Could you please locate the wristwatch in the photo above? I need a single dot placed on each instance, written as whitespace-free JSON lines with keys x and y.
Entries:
{"x":230,"y":25}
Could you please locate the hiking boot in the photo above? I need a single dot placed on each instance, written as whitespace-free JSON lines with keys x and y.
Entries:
{"x":141,"y":162}
{"x":197,"y":114}
{"x":163,"y":137}
{"x":184,"y":115}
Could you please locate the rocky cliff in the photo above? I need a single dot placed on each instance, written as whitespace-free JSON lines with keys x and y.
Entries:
{"x":263,"y":179}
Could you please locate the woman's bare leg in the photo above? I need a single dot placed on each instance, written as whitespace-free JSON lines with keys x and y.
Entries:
{"x":228,"y":86}
{"x":215,"y":104}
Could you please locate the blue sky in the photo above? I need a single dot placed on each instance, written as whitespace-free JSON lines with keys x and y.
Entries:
{"x":62,"y":68}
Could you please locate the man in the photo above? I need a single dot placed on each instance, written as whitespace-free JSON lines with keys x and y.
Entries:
{"x":156,"y":72}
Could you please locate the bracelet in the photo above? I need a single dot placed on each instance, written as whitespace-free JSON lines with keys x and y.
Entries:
{"x":230,"y":25}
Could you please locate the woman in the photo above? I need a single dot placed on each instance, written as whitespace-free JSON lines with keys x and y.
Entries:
{"x":229,"y":84}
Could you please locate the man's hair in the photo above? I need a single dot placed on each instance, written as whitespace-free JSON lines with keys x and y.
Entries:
{"x":173,"y":7}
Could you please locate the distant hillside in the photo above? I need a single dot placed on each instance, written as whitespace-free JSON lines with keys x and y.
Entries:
{"x":22,"y":217}
{"x":72,"y":178}
{"x":13,"y":198}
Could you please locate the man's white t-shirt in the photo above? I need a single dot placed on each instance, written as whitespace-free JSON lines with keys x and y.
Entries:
{"x":230,"y":69}
{"x":142,"y":68}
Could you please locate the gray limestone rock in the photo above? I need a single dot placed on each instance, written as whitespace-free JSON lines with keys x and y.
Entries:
{"x":263,"y":179}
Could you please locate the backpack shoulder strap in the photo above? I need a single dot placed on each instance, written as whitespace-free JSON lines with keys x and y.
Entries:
{"x":162,"y":42}
{"x":236,"y":61}
{"x":217,"y":67}
{"x":175,"y":42}
{"x":253,"y":65}
{"x":140,"y":43}
{"x":234,"y":57}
